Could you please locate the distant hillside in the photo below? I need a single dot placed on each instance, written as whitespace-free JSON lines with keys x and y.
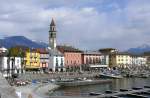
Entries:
{"x":139,"y":50}
{"x":13,"y":41}
{"x":22,"y":41}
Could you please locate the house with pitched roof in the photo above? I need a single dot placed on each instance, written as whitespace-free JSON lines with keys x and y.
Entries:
{"x":73,"y":59}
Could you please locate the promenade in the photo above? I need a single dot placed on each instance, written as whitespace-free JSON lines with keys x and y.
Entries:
{"x":64,"y":75}
{"x":6,"y":91}
{"x":35,"y":90}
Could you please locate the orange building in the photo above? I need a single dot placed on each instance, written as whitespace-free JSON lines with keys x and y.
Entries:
{"x":72,"y":56}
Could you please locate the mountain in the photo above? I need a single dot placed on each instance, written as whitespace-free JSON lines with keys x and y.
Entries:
{"x":21,"y":41}
{"x":140,"y":50}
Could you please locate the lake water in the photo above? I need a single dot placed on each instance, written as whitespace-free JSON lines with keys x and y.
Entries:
{"x":126,"y":83}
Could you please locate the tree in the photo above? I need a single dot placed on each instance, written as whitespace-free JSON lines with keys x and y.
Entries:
{"x":18,"y":51}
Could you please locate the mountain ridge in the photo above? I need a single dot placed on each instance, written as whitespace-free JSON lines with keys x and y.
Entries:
{"x":12,"y":41}
{"x":140,"y":49}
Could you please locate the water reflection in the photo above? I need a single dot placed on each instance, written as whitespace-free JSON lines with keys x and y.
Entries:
{"x":126,"y":83}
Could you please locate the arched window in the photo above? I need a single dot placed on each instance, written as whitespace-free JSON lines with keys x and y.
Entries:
{"x":94,"y":61}
{"x":97,"y":61}
{"x":87,"y":60}
{"x":90,"y":61}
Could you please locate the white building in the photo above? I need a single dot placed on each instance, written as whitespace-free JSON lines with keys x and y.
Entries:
{"x":56,"y":61}
{"x":9,"y":65}
{"x":56,"y":58}
{"x":138,"y":60}
{"x":121,"y":59}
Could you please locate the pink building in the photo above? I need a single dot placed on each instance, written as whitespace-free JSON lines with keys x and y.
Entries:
{"x":90,"y":57}
{"x":72,"y":56}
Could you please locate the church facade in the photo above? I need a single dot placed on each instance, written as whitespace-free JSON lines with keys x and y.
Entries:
{"x":56,"y":58}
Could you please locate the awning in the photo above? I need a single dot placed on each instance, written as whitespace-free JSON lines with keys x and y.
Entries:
{"x":98,"y":66}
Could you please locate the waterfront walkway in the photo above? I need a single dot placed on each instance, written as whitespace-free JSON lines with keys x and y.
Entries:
{"x":35,"y":90}
{"x":41,"y":76}
{"x":6,"y":91}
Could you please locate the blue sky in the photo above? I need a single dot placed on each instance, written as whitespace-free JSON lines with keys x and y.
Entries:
{"x":86,"y":24}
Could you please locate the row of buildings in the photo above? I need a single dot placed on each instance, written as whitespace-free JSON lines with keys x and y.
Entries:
{"x":65,"y":58}
{"x":125,"y":59}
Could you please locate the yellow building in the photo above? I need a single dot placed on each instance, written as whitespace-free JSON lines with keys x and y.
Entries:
{"x":120,"y":60}
{"x":32,"y":60}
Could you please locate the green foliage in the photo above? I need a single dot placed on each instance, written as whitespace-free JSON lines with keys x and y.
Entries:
{"x":16,"y":52}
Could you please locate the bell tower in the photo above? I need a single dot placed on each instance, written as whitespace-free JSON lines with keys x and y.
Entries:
{"x":52,"y":35}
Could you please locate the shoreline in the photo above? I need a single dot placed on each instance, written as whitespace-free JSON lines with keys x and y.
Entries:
{"x":84,"y":82}
{"x":35,"y":90}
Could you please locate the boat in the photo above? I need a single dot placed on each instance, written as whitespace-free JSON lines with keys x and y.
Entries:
{"x":114,"y":76}
{"x":143,"y":75}
{"x":94,"y":94}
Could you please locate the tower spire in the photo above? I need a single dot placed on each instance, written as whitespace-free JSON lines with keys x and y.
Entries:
{"x":52,"y":22}
{"x":52,"y":35}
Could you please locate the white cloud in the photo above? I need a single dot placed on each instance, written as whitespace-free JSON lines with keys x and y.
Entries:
{"x":81,"y":23}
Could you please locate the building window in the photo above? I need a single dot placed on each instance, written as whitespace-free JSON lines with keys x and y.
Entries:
{"x":94,"y":60}
{"x":97,"y":60}
{"x":71,"y":61}
{"x":75,"y":63}
{"x":90,"y":61}
{"x":56,"y":62}
{"x":103,"y":61}
{"x":18,"y":61}
{"x":87,"y":60}
{"x":62,"y":62}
